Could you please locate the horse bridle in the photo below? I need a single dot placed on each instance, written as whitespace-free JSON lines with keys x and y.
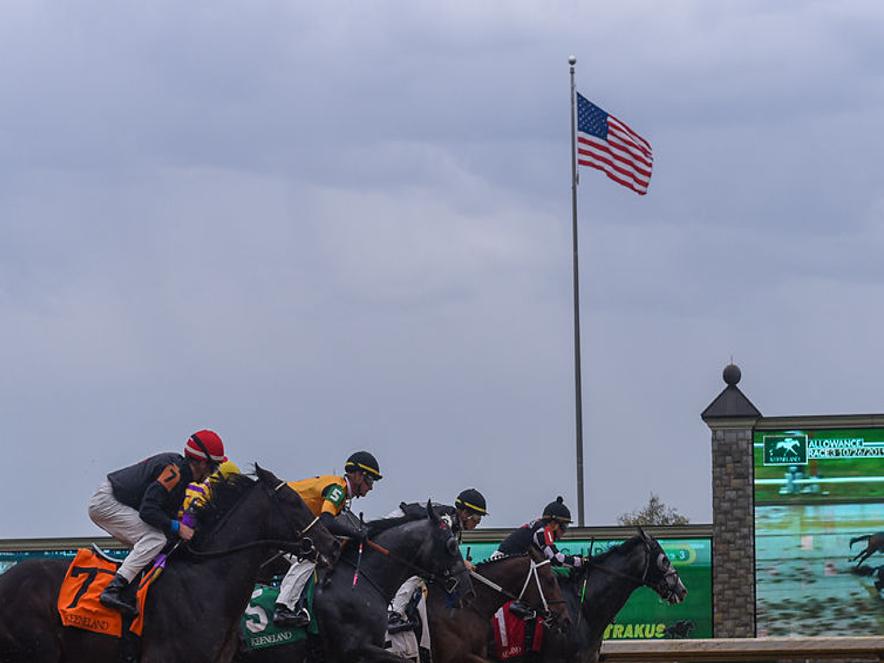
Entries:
{"x":532,"y":573}
{"x":643,"y":581}
{"x":429,"y":576}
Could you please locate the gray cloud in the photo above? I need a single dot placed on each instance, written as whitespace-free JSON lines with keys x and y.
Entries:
{"x":320,"y":229}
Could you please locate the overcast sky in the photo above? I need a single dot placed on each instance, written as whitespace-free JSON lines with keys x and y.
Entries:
{"x":320,"y":227}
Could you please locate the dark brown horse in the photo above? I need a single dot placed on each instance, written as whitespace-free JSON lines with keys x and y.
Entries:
{"x":193,"y":612}
{"x":596,"y":593}
{"x":461,"y":636}
{"x":875,"y":544}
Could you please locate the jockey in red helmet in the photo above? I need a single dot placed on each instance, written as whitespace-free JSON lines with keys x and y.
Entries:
{"x":139,"y":505}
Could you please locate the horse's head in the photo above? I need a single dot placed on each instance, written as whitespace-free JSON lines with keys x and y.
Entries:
{"x":659,"y":573}
{"x":439,"y":554}
{"x":292,"y":522}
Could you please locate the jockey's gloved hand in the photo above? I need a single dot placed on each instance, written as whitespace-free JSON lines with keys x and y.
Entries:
{"x":339,"y":527}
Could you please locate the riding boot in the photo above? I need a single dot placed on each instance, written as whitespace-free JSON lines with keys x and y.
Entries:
{"x":113,"y":596}
{"x":298,"y":618}
{"x":302,"y":615}
{"x":396,"y":623}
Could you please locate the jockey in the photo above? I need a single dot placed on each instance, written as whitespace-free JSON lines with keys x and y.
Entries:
{"x":326,"y":497}
{"x":466,"y":514}
{"x":139,"y":504}
{"x":542,"y":534}
{"x":198,"y":493}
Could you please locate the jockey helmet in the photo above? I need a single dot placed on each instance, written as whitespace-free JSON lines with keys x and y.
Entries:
{"x":471,"y":500}
{"x":362,"y":461}
{"x":205,"y":445}
{"x":557,"y":511}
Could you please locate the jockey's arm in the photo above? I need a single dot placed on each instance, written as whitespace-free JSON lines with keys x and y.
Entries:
{"x":152,"y":509}
{"x":544,"y":540}
{"x":338,"y":527}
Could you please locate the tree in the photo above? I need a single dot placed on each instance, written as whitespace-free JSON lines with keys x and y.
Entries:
{"x":655,"y":512}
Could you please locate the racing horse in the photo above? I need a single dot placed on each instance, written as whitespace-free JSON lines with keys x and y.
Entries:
{"x":596,"y":592}
{"x":193,"y":611}
{"x":350,"y":602}
{"x":461,"y":636}
{"x":875,"y":544}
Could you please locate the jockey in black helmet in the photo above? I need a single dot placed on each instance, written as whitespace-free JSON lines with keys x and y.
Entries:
{"x":467,"y":512}
{"x":470,"y":507}
{"x":542,"y":534}
{"x":328,"y":497}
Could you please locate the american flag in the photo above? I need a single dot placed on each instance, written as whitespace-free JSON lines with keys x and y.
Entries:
{"x":606,"y":143}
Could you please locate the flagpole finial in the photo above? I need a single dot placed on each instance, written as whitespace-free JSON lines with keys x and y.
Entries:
{"x":572,"y":60}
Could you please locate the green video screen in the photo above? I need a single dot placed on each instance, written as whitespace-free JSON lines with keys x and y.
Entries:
{"x":645,"y":615}
{"x":819,"y":498}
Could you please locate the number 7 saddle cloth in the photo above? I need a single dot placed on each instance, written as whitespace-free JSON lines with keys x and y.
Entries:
{"x":78,"y":598}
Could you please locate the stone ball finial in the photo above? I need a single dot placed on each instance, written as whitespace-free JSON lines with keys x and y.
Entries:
{"x":731,"y":374}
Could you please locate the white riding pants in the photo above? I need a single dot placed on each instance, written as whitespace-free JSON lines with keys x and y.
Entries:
{"x":294,"y":582}
{"x":124,"y":524}
{"x":403,"y":596}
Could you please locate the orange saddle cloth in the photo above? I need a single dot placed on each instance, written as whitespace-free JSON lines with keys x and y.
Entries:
{"x":78,"y":599}
{"x":78,"y":603}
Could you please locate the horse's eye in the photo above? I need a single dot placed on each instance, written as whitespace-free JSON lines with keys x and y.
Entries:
{"x":452,"y":547}
{"x":663,"y":562}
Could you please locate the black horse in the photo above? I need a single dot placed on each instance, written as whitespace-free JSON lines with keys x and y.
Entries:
{"x":352,"y":618}
{"x":461,"y":636}
{"x":597,"y":592}
{"x":192,"y":614}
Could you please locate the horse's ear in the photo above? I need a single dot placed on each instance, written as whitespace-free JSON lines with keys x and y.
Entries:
{"x":265,"y":476}
{"x":641,"y":533}
{"x":431,"y":513}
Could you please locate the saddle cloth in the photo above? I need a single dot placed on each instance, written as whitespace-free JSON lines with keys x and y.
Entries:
{"x":257,"y":628}
{"x":78,"y":598}
{"x":78,"y":603}
{"x":514,"y":636}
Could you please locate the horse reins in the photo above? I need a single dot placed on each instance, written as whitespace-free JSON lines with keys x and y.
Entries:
{"x":532,"y":573}
{"x":274,"y":543}
{"x":422,"y":572}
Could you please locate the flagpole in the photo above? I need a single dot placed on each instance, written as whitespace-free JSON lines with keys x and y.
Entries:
{"x":578,"y":395}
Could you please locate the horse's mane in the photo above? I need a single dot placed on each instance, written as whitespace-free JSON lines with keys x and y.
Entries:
{"x":502,"y":558}
{"x":226,"y":493}
{"x":375,"y":527}
{"x":616,"y":550}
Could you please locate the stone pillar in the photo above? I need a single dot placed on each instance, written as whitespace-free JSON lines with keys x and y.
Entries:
{"x":731,"y":417}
